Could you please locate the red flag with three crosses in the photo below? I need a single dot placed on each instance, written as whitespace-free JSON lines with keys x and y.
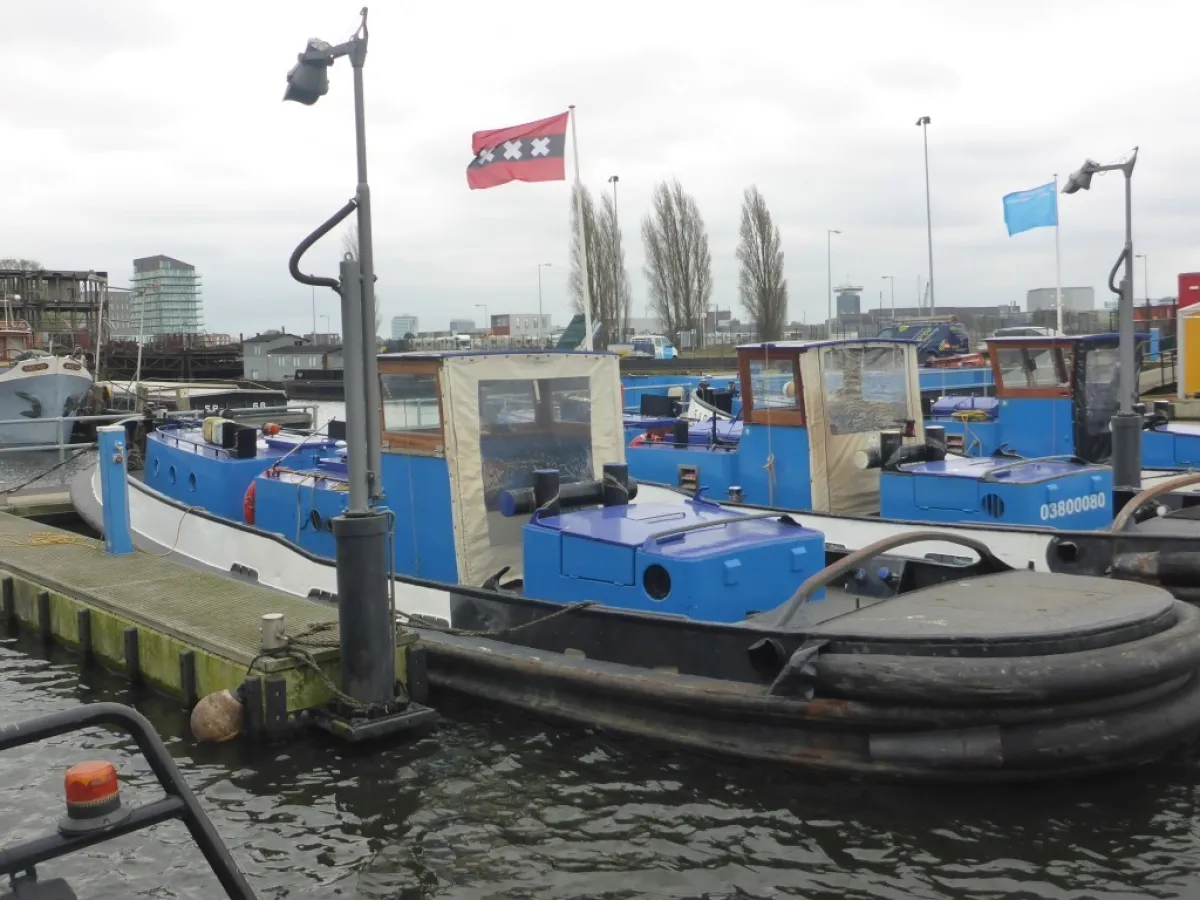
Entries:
{"x":535,"y":151}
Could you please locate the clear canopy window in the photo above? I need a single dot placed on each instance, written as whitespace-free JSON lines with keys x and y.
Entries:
{"x":865,"y":388}
{"x":528,"y":424}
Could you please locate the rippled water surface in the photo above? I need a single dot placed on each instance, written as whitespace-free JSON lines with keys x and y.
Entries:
{"x":493,"y":804}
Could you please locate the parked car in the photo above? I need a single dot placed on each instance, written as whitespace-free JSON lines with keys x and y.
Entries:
{"x":934,"y":337}
{"x":1017,"y":331}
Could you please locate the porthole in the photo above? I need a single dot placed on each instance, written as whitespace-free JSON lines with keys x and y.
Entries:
{"x":657,"y":582}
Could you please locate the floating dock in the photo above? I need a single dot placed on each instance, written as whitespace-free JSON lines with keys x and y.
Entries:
{"x":180,"y":631}
{"x":46,"y":504}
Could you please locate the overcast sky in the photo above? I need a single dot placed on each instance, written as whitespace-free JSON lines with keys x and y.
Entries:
{"x":135,"y":127}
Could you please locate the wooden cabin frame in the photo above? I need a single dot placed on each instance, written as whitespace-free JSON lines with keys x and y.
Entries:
{"x":425,"y":441}
{"x":792,"y":416}
{"x":1063,"y":350}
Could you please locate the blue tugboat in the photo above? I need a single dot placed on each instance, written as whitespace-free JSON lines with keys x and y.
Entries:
{"x":541,"y":576}
{"x":837,"y":427}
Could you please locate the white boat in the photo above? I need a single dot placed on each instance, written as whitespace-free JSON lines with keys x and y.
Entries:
{"x":38,"y":387}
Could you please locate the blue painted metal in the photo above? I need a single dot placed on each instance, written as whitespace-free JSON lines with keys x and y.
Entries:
{"x":114,"y":492}
{"x":186,"y":468}
{"x":786,"y":482}
{"x":639,"y":557}
{"x":1172,"y":446}
{"x":1047,"y":493}
{"x":1037,"y":426}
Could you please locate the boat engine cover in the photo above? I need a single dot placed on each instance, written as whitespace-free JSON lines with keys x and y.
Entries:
{"x":698,"y":559}
{"x":1047,"y":493}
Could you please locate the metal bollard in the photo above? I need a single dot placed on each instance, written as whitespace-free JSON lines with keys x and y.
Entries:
{"x":114,"y":492}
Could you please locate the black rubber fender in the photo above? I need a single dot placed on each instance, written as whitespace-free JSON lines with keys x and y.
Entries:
{"x":943,"y":681}
{"x":1151,"y":729}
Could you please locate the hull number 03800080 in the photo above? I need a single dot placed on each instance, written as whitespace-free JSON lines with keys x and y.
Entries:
{"x":1069,"y":507}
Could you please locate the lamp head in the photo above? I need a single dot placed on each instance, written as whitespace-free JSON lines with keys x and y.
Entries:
{"x":308,"y":80}
{"x":1081,"y":178}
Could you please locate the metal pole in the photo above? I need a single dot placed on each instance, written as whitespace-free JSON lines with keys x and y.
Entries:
{"x":1057,"y":264}
{"x":616,"y":276}
{"x":928,"y":213}
{"x":828,"y":284}
{"x":314,"y":306}
{"x":366,"y":254}
{"x":354,"y":386}
{"x":583,"y":239}
{"x":539,"y":327}
{"x":1126,"y":424}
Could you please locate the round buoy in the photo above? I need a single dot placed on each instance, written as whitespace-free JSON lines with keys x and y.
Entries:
{"x":270,"y":428}
{"x":248,"y":505}
{"x":217,"y":718}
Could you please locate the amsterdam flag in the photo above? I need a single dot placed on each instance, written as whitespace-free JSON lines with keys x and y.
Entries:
{"x":531,"y":152}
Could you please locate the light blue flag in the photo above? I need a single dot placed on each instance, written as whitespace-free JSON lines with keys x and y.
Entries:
{"x":1036,"y":208}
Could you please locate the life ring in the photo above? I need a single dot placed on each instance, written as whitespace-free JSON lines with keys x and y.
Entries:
{"x":248,"y":505}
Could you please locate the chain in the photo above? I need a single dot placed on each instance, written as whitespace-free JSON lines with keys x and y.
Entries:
{"x":298,"y":647}
{"x":418,"y":622}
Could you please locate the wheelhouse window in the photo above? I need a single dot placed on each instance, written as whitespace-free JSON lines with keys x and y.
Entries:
{"x":1033,"y":371}
{"x":410,"y":403}
{"x":865,"y":388}
{"x":771,"y":392}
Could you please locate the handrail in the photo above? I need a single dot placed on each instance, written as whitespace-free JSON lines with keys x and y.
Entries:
{"x":660,"y":536}
{"x":180,"y":803}
{"x":1061,"y":457}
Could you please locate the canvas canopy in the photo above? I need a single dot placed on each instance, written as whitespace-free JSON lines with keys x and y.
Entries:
{"x":509,"y":414}
{"x":852,"y":392}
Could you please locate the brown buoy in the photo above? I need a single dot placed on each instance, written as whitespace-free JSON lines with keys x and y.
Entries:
{"x":217,"y":718}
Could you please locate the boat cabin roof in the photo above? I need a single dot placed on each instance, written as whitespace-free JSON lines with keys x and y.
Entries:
{"x":803,"y":346}
{"x":426,"y":355}
{"x":1060,"y":340}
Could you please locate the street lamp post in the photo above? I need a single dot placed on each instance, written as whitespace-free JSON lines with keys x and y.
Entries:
{"x":923,"y":123}
{"x":892,"y":282}
{"x":367,"y":628}
{"x":540,"y":323}
{"x":829,"y":233}
{"x":1126,"y":424}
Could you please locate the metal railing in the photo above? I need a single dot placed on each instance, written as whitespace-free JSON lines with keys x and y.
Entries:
{"x":112,"y":418}
{"x":178,"y":801}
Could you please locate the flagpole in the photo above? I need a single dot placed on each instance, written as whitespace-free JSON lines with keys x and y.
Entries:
{"x":1057,"y":261}
{"x":583,"y":248}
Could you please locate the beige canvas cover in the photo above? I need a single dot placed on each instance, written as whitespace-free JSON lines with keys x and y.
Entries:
{"x":496,"y":447}
{"x":853,"y":391}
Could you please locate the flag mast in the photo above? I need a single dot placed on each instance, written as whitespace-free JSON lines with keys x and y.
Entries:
{"x":1057,"y":261}
{"x":583,"y":248}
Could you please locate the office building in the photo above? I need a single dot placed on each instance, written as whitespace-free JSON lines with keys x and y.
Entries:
{"x":166,"y":298}
{"x":1074,"y":299}
{"x":402,"y":325}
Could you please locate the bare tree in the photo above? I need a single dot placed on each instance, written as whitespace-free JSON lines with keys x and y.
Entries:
{"x":760,"y":281}
{"x":608,"y":279}
{"x":617,"y":290}
{"x":350,"y":245}
{"x":678,"y":263}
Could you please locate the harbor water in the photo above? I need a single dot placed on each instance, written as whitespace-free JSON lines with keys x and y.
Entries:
{"x":496,"y":804}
